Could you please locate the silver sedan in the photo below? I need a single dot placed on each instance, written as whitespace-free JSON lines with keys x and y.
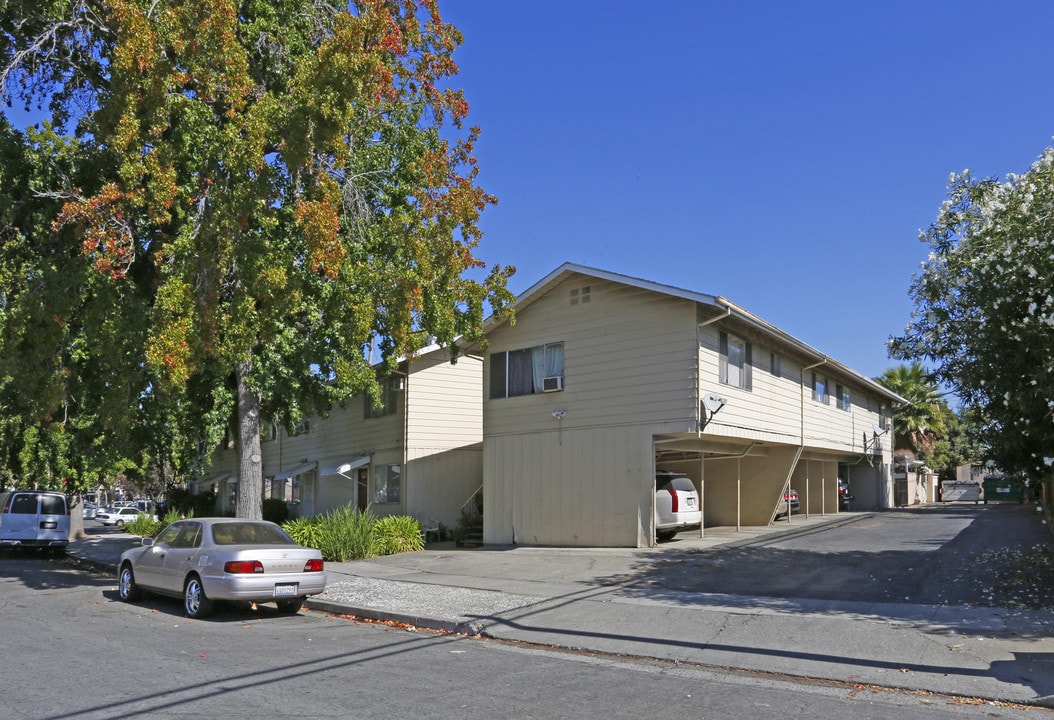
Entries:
{"x":202,"y":560}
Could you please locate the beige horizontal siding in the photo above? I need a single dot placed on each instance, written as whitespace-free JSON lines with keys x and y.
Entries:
{"x":628,"y":358}
{"x":582,"y":487}
{"x":773,"y":410}
{"x":440,"y":481}
{"x":446,"y":402}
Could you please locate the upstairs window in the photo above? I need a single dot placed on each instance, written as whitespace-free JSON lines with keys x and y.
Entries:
{"x":523,"y":372}
{"x":776,"y":365}
{"x":819,"y":388}
{"x":845,"y":401}
{"x":389,"y":386}
{"x":735,"y":361}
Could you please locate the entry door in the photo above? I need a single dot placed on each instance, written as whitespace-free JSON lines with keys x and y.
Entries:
{"x":307,"y":494}
{"x":362,"y":487}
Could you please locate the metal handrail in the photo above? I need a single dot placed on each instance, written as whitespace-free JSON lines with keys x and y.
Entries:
{"x":473,"y":506}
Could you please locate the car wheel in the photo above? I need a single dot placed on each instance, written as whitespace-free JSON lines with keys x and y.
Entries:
{"x":126,"y":587}
{"x":290,"y":607}
{"x":119,"y":523}
{"x":664,"y":535}
{"x":195,"y":603}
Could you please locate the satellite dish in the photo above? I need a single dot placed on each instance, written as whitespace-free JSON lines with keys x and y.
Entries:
{"x":713,"y":402}
{"x":879,"y":430}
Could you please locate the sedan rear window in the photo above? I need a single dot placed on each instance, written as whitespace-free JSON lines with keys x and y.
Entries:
{"x":243,"y":533}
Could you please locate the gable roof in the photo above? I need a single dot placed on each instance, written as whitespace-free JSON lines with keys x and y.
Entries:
{"x":723,"y":306}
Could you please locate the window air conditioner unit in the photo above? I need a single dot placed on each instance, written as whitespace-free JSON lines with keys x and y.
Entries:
{"x":553,"y":383}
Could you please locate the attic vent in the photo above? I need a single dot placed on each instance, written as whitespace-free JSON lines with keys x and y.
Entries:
{"x":580,"y":295}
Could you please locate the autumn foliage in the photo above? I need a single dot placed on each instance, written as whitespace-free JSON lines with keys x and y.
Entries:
{"x":289,"y":184}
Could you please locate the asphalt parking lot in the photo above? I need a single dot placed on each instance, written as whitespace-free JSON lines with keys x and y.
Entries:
{"x":996,"y":555}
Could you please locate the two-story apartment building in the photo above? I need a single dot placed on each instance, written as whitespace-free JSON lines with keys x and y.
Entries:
{"x":419,"y":453}
{"x":605,"y":379}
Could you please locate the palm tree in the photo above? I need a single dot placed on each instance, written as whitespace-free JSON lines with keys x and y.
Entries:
{"x":924,"y":420}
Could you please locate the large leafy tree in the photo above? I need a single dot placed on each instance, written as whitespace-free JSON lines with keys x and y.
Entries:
{"x":984,"y":315}
{"x":292,"y":183}
{"x":54,"y":386}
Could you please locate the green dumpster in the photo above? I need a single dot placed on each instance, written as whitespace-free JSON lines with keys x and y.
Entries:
{"x":1004,"y":489}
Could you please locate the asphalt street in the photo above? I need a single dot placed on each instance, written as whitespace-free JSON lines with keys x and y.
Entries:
{"x":909,"y":599}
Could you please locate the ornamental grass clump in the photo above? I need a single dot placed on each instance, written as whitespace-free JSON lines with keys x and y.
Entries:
{"x":396,"y":534}
{"x":344,"y":533}
{"x":144,"y":526}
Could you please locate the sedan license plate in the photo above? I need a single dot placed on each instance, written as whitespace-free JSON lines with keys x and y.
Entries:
{"x":285,"y":590}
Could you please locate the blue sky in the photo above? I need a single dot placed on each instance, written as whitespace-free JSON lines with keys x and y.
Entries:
{"x":783,"y":155}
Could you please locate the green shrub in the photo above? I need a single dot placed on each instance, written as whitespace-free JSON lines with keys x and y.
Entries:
{"x":397,"y":533}
{"x":144,"y":526}
{"x":275,"y":510}
{"x":171,"y":516}
{"x":342,"y":534}
{"x":203,"y":504}
{"x":465,"y":524}
{"x":179,"y":499}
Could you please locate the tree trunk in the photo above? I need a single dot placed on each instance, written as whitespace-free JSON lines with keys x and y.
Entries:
{"x":76,"y":517}
{"x":250,"y":469}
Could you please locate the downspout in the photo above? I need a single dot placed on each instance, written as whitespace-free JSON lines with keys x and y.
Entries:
{"x":807,"y":367}
{"x":801,"y":441}
{"x":698,"y":384}
{"x":699,"y":423}
{"x":405,"y":439}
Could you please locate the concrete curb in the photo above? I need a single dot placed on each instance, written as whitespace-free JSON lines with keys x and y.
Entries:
{"x":417,"y":621}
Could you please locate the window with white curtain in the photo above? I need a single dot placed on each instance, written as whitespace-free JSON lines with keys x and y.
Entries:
{"x":520,"y":372}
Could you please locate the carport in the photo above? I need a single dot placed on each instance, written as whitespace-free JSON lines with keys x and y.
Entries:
{"x":742,"y":482}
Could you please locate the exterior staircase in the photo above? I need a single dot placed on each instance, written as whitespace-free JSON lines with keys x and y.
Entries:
{"x":471,"y":521}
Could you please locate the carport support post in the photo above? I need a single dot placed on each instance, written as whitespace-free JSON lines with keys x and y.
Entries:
{"x":739,"y":495}
{"x":702,"y":496}
{"x":790,"y":478}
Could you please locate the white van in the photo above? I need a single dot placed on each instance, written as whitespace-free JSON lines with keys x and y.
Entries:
{"x":34,"y":518}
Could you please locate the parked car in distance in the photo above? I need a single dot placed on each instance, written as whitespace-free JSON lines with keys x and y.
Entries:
{"x":790,"y":500}
{"x":204,"y":560}
{"x":118,"y":517}
{"x":90,"y":510}
{"x":677,"y":505}
{"x":34,"y":518}
{"x":845,"y":498}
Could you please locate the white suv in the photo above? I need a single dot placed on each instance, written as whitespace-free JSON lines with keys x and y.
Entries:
{"x":677,"y":505}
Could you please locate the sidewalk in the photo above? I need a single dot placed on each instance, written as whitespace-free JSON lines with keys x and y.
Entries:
{"x":592,"y":599}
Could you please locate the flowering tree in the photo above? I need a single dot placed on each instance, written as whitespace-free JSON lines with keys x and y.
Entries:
{"x":984,"y":314}
{"x":290,"y":183}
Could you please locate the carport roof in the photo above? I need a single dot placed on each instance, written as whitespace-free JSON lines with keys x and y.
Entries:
{"x":723,"y":305}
